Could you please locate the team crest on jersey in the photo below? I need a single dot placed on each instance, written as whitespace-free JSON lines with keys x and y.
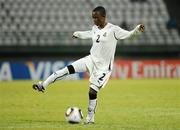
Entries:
{"x":105,"y":34}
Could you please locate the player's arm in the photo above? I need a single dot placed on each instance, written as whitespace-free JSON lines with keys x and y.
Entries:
{"x":82,"y":34}
{"x":123,"y":34}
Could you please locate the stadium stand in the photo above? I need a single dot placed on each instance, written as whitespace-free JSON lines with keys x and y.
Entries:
{"x":51,"y":22}
{"x":31,"y":28}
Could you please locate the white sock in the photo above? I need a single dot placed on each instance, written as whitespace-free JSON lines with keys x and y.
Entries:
{"x":92,"y":106}
{"x":58,"y":75}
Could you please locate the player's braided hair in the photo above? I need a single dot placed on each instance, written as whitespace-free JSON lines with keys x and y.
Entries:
{"x":101,"y":10}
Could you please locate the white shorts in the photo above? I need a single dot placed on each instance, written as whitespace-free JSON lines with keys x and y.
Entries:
{"x":98,"y":78}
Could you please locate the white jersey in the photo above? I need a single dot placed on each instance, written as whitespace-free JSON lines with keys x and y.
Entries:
{"x":104,"y":43}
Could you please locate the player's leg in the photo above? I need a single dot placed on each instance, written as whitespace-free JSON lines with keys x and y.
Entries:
{"x":41,"y":86}
{"x":97,"y":82}
{"x":58,"y":75}
{"x":92,"y":106}
{"x":76,"y":67}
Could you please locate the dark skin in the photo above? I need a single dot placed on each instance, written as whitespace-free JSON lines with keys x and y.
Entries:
{"x":98,"y":19}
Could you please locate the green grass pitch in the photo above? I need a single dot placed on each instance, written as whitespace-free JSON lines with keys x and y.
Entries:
{"x":122,"y":105}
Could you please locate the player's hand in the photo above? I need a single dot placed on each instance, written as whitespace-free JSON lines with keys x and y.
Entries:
{"x":74,"y":36}
{"x":141,"y":28}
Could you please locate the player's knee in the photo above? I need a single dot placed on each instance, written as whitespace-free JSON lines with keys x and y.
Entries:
{"x":71,"y":69}
{"x":92,"y":94}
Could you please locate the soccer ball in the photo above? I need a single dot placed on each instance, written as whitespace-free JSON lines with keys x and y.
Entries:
{"x":74,"y":115}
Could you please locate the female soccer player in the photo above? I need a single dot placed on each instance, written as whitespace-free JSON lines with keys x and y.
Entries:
{"x":99,"y":62}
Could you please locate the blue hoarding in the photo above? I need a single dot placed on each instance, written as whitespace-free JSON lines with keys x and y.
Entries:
{"x":32,"y":70}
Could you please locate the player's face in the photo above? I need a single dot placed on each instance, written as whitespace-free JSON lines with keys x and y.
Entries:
{"x":98,"y":19}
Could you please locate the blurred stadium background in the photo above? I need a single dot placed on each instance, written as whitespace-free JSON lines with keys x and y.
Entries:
{"x":36,"y":39}
{"x":40,"y":30}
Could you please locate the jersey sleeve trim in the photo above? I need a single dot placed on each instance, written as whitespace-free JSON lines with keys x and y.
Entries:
{"x":115,"y":36}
